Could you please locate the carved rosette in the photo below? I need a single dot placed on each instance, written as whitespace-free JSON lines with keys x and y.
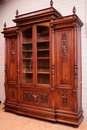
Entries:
{"x":12,"y":52}
{"x":35,"y":97}
{"x":64,"y":47}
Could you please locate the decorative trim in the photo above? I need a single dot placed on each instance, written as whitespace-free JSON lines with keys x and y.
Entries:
{"x":34,"y":20}
{"x":64,"y":47}
{"x":12,"y":51}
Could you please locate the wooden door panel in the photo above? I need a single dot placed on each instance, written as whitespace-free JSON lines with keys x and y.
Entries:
{"x":64,"y":99}
{"x":64,"y":58}
{"x":12,"y":93}
{"x":12,"y":60}
{"x":37,"y":97}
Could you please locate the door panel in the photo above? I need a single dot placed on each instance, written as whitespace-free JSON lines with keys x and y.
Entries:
{"x":64,"y":58}
{"x":12,"y":60}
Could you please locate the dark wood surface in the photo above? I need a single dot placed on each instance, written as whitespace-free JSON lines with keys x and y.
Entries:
{"x":43,"y":66}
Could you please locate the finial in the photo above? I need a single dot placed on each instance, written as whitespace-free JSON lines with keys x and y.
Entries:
{"x":74,"y":10}
{"x":51,"y":3}
{"x":17,"y":12}
{"x":5,"y":25}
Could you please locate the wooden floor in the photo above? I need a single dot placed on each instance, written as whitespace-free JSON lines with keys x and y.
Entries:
{"x":11,"y":121}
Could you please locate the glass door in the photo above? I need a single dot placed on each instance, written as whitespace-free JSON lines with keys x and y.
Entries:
{"x":43,"y":55}
{"x":27,"y":56}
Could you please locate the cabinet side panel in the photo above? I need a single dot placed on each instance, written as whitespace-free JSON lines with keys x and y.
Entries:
{"x":79,"y":68}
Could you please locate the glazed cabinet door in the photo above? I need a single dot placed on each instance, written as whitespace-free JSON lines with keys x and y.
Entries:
{"x":35,"y":85}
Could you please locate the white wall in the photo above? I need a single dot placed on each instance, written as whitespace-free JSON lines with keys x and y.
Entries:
{"x":7,"y":13}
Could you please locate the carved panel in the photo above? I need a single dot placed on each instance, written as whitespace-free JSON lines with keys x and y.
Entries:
{"x":12,"y":60}
{"x":64,"y":47}
{"x":12,"y":94}
{"x":35,"y":97}
{"x":41,"y":98}
{"x":28,"y":96}
{"x":64,"y":52}
{"x":65,"y":99}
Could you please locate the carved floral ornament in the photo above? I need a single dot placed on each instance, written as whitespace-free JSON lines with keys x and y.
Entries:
{"x":64,"y":47}
{"x":12,"y":51}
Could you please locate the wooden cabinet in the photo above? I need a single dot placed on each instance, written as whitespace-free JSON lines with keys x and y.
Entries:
{"x":43,"y":75}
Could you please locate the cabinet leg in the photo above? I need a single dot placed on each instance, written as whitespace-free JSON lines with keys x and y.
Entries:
{"x":75,"y":126}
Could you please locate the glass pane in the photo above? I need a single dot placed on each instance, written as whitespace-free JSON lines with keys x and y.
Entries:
{"x":27,"y":56}
{"x":43,"y":78}
{"x":43,"y":55}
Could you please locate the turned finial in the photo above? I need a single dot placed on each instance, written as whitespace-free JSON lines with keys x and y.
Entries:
{"x":17,"y":12}
{"x":5,"y":25}
{"x":74,"y":10}
{"x":51,"y":3}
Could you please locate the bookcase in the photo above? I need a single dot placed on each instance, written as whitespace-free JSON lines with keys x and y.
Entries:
{"x":43,"y":66}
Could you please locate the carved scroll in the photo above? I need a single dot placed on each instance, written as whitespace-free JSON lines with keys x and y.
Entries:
{"x":64,"y":47}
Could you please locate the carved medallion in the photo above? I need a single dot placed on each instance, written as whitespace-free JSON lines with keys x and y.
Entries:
{"x":64,"y":47}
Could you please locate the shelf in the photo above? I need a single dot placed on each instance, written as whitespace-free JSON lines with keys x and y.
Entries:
{"x":43,"y":50}
{"x":27,"y":72}
{"x":43,"y":58}
{"x":26,"y":58}
{"x":26,"y":50}
{"x":42,"y":41}
{"x":43,"y":72}
{"x":24,"y":43}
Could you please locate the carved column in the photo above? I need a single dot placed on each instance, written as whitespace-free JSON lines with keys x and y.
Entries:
{"x":6,"y":67}
{"x":18,"y":66}
{"x":75,"y":69}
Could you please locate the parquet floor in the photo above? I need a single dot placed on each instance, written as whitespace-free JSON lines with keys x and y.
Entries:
{"x":11,"y":121}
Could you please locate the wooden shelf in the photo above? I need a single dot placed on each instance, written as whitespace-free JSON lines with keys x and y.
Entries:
{"x":26,"y":58}
{"x":42,"y":49}
{"x":43,"y":58}
{"x":26,"y":43}
{"x":27,"y":72}
{"x":42,"y":41}
{"x":26,"y":50}
{"x":43,"y":72}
